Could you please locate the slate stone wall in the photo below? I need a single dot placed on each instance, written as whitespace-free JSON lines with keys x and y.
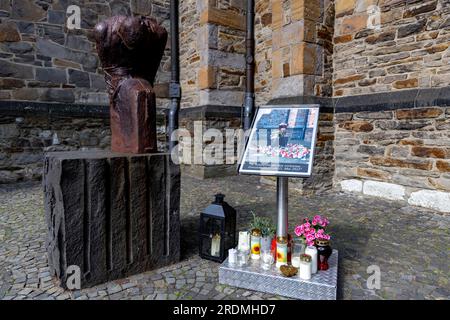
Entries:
{"x":42,"y":60}
{"x":25,"y":138}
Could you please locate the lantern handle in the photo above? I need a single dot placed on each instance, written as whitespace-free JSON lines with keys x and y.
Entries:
{"x":219,"y":198}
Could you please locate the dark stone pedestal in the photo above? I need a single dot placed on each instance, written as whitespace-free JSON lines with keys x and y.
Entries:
{"x":112,"y":215}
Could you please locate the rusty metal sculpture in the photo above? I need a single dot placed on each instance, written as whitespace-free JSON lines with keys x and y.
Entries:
{"x":130,"y":50}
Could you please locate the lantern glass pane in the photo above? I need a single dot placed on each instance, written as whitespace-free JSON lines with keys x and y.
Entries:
{"x":211,"y":246}
{"x":211,"y":226}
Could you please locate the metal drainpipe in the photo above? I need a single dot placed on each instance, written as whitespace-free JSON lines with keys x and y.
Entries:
{"x":174,"y":88}
{"x":249,"y":104}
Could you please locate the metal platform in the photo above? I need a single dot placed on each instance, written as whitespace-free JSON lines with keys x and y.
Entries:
{"x":322,"y":286}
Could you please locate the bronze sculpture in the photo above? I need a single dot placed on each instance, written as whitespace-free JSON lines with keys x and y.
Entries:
{"x":130,"y":50}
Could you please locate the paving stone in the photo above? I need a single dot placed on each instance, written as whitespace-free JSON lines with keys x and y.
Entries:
{"x":367,"y":231}
{"x":161,"y":296}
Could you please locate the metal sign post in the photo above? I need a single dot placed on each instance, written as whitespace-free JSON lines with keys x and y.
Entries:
{"x":282,"y":206}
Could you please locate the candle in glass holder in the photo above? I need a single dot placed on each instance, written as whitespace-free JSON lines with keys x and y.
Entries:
{"x":215,"y":245}
{"x":244,"y":241}
{"x":298,"y":250}
{"x":282,"y":251}
{"x":232,"y":257}
{"x":242,"y":258}
{"x":295,"y":261}
{"x":312,"y":251}
{"x":305,"y":267}
{"x":267,"y":259}
{"x":256,"y":244}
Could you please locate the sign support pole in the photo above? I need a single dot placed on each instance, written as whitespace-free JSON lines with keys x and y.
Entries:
{"x":282,"y":206}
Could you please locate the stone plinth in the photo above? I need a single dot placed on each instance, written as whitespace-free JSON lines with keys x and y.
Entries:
{"x":112,"y":215}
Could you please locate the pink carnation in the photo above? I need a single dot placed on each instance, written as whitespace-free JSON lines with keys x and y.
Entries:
{"x":325,"y":222}
{"x":298,"y":231}
{"x":310,"y":237}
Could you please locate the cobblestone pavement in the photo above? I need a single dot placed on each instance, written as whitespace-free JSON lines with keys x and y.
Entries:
{"x":410,"y":245}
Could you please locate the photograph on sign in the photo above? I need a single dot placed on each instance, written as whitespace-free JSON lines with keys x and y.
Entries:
{"x":281,"y":141}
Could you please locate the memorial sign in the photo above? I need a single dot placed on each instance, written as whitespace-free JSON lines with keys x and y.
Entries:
{"x":281,"y":141}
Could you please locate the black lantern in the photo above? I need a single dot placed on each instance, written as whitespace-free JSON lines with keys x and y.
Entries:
{"x":217,"y":230}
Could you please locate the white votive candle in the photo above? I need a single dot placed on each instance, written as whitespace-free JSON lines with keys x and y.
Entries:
{"x":305,"y":267}
{"x":312,"y":251}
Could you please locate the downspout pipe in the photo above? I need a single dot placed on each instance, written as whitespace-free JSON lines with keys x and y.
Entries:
{"x":174,"y":86}
{"x":249,"y":103}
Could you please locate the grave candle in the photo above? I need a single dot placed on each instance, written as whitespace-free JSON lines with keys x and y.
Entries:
{"x":282,"y":251}
{"x":312,"y":251}
{"x":244,"y":241}
{"x":215,"y":246}
{"x":305,"y":267}
{"x":256,"y":244}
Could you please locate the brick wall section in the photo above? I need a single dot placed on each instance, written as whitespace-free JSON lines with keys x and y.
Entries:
{"x":406,"y":147}
{"x":42,"y":60}
{"x":409,"y":50}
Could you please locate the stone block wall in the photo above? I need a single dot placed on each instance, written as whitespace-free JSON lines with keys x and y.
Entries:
{"x":214,"y":55}
{"x":44,"y":65}
{"x":390,"y":45}
{"x":378,"y":68}
{"x":401,"y":154}
{"x":189,"y":52}
{"x":302,"y":47}
{"x":212,"y":59}
{"x":294,"y":66}
{"x":24,"y":139}
{"x":390,"y":85}
{"x":263,"y":55}
{"x":215,"y":133}
{"x":42,"y":60}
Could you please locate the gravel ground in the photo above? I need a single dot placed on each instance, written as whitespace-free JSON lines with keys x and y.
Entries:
{"x":409,"y":244}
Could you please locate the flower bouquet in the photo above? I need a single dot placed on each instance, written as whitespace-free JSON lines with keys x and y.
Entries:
{"x":313,"y":233}
{"x":313,"y":230}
